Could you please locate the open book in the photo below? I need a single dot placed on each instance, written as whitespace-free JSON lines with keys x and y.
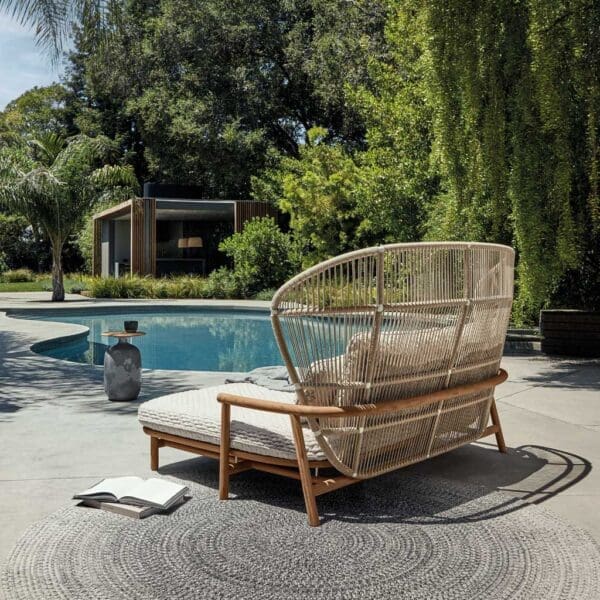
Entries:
{"x":157,"y":493}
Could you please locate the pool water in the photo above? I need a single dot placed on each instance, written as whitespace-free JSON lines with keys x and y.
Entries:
{"x":198,"y":340}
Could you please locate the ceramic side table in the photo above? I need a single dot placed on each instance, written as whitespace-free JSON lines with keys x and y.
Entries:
{"x":122,"y":367}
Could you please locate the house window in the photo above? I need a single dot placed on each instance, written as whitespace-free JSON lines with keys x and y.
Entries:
{"x":187,"y":240}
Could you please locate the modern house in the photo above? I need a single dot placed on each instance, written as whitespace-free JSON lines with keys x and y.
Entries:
{"x":171,"y":230}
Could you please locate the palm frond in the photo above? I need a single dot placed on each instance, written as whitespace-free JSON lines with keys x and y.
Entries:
{"x":83,"y":154}
{"x":48,"y":18}
{"x":40,"y":180}
{"x":52,"y":20}
{"x":49,"y":145}
{"x":35,"y":194}
{"x":113,"y":176}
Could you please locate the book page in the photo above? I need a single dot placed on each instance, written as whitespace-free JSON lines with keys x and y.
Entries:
{"x":155,"y":492}
{"x":114,"y":486}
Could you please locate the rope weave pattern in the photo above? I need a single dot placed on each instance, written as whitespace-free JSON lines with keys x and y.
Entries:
{"x":393,"y":322}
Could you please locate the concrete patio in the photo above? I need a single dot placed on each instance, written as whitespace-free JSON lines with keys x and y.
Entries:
{"x":60,"y":434}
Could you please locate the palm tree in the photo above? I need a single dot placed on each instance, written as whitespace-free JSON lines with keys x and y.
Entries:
{"x":57,"y":182}
{"x":52,"y":20}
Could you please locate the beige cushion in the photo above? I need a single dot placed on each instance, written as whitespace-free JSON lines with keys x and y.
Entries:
{"x":415,"y":353}
{"x":399,"y":353}
{"x":196,"y":415}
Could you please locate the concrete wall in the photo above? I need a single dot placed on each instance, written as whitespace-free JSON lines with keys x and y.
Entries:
{"x":122,"y":241}
{"x":106,"y":248}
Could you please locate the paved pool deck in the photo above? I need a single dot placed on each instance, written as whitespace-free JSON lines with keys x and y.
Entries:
{"x":59,"y":433}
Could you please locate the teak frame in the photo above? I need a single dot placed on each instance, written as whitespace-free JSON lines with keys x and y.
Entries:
{"x":232,"y":461}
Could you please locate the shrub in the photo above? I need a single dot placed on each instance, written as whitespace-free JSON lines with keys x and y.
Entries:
{"x":222,"y":283}
{"x":263,"y":256}
{"x":3,"y":264}
{"x":77,"y":288}
{"x":265,"y":295}
{"x":18,"y":276}
{"x":125,"y":287}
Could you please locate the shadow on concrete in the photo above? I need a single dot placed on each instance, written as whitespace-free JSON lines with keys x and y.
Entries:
{"x":568,"y":373}
{"x":527,"y":475}
{"x":28,"y":380}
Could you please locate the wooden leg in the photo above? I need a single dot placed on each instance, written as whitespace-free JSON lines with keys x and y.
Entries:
{"x":154,"y":446}
{"x":305,"y":478}
{"x":496,"y":423}
{"x":224,"y":452}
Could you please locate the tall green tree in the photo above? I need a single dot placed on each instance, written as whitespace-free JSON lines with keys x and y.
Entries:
{"x":342,"y":196}
{"x":57,"y":184}
{"x":397,"y":182}
{"x":319,"y":192}
{"x":514,"y":86}
{"x":36,"y":112}
{"x":209,"y":88}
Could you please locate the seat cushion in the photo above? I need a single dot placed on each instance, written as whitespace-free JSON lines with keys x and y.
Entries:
{"x":196,"y":415}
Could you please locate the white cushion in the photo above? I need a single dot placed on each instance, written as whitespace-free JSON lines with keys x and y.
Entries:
{"x":196,"y":415}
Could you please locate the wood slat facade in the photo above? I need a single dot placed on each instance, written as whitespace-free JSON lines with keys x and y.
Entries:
{"x":97,"y":248}
{"x":150,"y":240}
{"x":143,"y":216}
{"x":137,"y":236}
{"x":245,"y":210}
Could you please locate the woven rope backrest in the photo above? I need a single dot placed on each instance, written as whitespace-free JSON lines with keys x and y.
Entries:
{"x":388,"y":323}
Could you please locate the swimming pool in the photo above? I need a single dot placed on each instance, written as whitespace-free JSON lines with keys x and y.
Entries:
{"x":190,"y":340}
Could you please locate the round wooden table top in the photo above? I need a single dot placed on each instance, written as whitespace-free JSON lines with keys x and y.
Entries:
{"x":123,"y":334}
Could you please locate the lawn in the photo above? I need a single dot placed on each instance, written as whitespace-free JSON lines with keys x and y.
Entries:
{"x":40,"y":284}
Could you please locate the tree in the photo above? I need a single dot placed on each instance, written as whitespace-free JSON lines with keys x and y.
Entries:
{"x":319,"y":192}
{"x":398,"y":184}
{"x":515,"y":89}
{"x":57,"y":188}
{"x":36,"y":112}
{"x":342,"y":196}
{"x":205,"y":89}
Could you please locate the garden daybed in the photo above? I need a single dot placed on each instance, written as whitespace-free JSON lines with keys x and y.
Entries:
{"x":394,"y":353}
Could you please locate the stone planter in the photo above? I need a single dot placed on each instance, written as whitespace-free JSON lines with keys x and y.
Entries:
{"x":570,"y":332}
{"x":122,"y":371}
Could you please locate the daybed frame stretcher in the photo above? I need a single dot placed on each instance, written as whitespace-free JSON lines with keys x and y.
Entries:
{"x":232,"y":461}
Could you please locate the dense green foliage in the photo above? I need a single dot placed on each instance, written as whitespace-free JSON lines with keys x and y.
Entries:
{"x":318,"y":191}
{"x":366,"y":122}
{"x":514,"y":87}
{"x":17,"y":244}
{"x":481,"y":125}
{"x":263,"y":256}
{"x":207,"y":88}
{"x":37,"y":112}
{"x":24,"y":246}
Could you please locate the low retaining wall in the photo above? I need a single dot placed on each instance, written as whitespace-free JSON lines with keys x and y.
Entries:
{"x":570,"y":332}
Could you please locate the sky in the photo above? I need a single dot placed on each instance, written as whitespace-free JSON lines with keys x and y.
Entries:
{"x":22,"y":64}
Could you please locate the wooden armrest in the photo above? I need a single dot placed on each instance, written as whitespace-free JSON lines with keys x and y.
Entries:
{"x":305,"y":410}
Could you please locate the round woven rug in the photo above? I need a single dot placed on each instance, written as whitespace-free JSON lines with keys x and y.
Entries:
{"x":399,"y":536}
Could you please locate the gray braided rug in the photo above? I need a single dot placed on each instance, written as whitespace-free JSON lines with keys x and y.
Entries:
{"x":398,"y":536}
